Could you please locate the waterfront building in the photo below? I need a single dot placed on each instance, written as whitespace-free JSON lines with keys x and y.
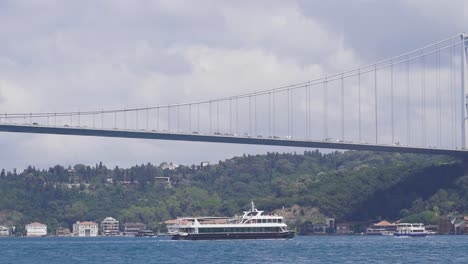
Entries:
{"x":444,"y":225}
{"x":132,"y":229}
{"x":63,"y":231}
{"x":452,"y":224}
{"x":459,"y":227}
{"x":320,"y":228}
{"x":5,"y":231}
{"x":85,"y":229}
{"x":381,"y":228}
{"x":343,"y":229}
{"x":36,"y":229}
{"x":330,"y":223}
{"x":110,"y":227}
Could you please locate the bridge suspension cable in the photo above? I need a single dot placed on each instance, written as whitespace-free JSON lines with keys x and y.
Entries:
{"x":386,"y":114}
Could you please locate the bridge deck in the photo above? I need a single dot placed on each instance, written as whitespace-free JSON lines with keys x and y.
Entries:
{"x":144,"y":134}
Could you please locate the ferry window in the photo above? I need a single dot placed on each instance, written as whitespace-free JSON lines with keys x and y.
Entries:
{"x":269,"y":220}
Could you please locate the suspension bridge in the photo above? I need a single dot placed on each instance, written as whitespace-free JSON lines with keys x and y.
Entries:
{"x":414,"y":102}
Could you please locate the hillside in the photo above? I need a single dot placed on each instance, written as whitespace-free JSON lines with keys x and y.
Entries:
{"x":350,"y":186}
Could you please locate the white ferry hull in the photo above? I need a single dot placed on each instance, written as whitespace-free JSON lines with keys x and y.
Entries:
{"x":226,"y":236}
{"x":409,"y":235}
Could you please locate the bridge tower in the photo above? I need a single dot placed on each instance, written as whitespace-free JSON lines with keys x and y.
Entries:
{"x":464,"y":88}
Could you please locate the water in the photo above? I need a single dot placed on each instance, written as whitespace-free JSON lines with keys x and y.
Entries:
{"x":312,"y":249}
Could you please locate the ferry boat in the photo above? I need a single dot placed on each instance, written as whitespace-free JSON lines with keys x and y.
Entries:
{"x":253,"y":224}
{"x":410,"y":230}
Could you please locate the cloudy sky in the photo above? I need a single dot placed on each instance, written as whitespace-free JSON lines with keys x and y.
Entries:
{"x":93,"y":54}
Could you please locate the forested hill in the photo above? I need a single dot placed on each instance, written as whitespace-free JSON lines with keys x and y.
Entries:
{"x":349,"y":186}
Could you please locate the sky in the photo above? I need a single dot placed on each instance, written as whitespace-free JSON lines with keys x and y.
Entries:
{"x":93,"y":54}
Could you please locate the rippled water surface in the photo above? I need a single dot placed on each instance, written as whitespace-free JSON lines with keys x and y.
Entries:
{"x":312,"y":249}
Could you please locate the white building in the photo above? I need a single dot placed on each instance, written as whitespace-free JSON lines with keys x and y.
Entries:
{"x":36,"y":229}
{"x":5,"y":231}
{"x":85,"y":229}
{"x":168,"y":166}
{"x":205,"y":164}
{"x":109,"y":227}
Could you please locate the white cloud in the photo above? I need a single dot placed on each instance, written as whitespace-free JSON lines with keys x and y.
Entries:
{"x":451,"y":13}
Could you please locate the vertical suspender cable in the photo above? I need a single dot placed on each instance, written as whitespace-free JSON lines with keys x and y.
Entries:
{"x":325,"y":106}
{"x":439,"y":114}
{"x":359,"y":105}
{"x":250,"y":115}
{"x":210,"y":118}
{"x":342,"y":108}
{"x":274,"y":114}
{"x":217,"y":116}
{"x":306,"y":127}
{"x":289,"y":125}
{"x":269,"y":114}
{"x":392,"y":102}
{"x":310,"y":111}
{"x":423,"y":84}
{"x":255,"y":112}
{"x":230,"y":115}
{"x":376,"y":106}
{"x":190,"y":118}
{"x":408,"y":100}
{"x":462,"y":90}
{"x":237,"y":115}
{"x":292,"y":111}
{"x":455,"y":101}
{"x":452,"y":101}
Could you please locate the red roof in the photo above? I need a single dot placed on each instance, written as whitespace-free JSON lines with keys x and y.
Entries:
{"x":176,"y":221}
{"x":384,"y":223}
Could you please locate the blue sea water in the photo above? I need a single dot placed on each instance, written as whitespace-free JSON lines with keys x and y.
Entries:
{"x":311,"y":249}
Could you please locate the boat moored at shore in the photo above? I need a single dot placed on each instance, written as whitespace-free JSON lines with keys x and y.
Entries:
{"x":410,"y":230}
